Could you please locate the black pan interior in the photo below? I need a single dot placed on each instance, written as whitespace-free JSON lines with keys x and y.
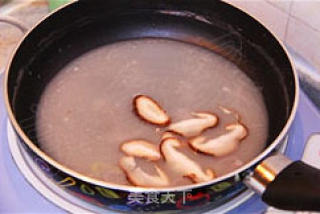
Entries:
{"x":88,"y":24}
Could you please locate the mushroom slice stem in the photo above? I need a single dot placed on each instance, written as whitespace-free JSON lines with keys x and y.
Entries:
{"x":230,"y":112}
{"x":167,"y":134}
{"x":138,"y":177}
{"x":141,"y":149}
{"x":150,"y":111}
{"x":195,"y":126}
{"x":222,"y":145}
{"x":182,"y":164}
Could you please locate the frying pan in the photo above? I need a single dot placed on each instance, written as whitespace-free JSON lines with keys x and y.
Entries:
{"x":87,"y":24}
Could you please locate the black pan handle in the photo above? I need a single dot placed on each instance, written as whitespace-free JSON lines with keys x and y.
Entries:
{"x":287,"y":185}
{"x":297,"y":187}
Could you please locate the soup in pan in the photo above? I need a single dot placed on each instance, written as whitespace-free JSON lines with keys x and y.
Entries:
{"x":152,"y":113}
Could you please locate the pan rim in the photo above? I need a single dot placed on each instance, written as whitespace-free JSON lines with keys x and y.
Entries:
{"x":128,"y":188}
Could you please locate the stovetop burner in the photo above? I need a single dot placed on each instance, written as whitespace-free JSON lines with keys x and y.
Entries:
{"x":23,"y":188}
{"x":32,"y":194}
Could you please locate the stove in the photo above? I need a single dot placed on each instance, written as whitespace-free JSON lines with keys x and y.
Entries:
{"x":24,"y":188}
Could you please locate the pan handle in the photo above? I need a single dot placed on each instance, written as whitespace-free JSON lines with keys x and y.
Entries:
{"x":287,"y":185}
{"x":14,"y":22}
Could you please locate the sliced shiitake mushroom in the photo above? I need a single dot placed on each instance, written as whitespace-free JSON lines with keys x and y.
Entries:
{"x":141,"y":149}
{"x":167,"y":134}
{"x":222,"y":145}
{"x":138,"y":177}
{"x":181,"y":163}
{"x":150,"y":111}
{"x":195,"y":126}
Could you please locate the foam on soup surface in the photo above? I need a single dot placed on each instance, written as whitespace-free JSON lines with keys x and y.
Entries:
{"x":86,"y":113}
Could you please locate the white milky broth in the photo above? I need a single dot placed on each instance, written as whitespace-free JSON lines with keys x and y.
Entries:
{"x":86,"y":112}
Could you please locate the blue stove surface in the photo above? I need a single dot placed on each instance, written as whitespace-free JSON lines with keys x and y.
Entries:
{"x":17,"y":195}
